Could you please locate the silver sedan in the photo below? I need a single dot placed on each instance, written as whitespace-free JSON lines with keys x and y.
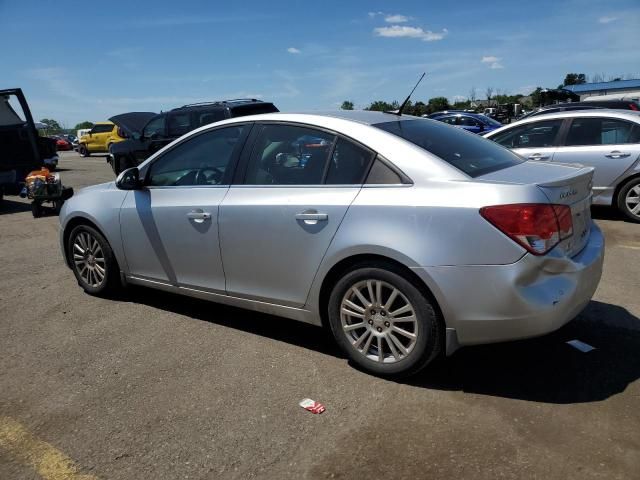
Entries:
{"x":608,"y":140}
{"x":405,"y":236}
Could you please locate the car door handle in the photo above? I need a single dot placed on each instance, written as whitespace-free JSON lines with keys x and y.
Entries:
{"x":312,"y":218}
{"x":538,"y":156}
{"x":617,"y":154}
{"x":198,"y":215}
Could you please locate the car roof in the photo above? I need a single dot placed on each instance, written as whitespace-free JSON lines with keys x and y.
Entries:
{"x":223,"y":103}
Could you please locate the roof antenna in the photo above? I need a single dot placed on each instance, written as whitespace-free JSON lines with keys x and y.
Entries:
{"x":406,"y":100}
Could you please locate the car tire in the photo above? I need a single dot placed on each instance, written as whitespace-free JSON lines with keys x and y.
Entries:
{"x":92,"y":261}
{"x":407,"y":326}
{"x":36,"y":209}
{"x":84,"y":151}
{"x":629,"y":199}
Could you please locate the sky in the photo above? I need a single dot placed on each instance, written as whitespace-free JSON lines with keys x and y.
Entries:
{"x":79,"y":60}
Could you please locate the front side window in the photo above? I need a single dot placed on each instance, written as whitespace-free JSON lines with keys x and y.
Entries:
{"x":201,"y":160}
{"x":469,"y":121}
{"x":532,"y":135}
{"x":598,"y":131}
{"x":155,"y":127}
{"x":179,"y":124}
{"x":289,"y":155}
{"x":451,"y":120}
{"x":472,"y":154}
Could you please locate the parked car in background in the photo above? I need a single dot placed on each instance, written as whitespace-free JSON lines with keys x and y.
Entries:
{"x":22,"y":149}
{"x":608,"y":140}
{"x":162,"y":129}
{"x":472,"y":122}
{"x":62,"y":143}
{"x":367,"y":222}
{"x":442,"y":112}
{"x":572,"y":106}
{"x":101,"y":136}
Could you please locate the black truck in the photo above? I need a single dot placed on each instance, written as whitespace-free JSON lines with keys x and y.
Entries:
{"x":21,"y":148}
{"x":162,"y":129}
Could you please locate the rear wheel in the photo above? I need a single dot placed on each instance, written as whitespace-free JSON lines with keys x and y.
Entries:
{"x":92,"y":261}
{"x":629,"y":199}
{"x":383,"y":322}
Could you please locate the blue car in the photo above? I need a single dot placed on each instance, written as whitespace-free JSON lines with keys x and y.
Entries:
{"x":472,"y":122}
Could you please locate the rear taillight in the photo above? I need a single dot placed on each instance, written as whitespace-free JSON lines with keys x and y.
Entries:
{"x":633,"y":106}
{"x":537,"y":227}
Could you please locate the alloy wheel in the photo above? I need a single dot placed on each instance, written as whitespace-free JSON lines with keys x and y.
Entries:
{"x":88,"y":259}
{"x":379,"y":321}
{"x":632,"y":200}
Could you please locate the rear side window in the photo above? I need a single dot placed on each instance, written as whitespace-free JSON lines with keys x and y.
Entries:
{"x":102,"y":128}
{"x":349,"y":163}
{"x":289,"y":155}
{"x":253,"y":109}
{"x":383,"y":174}
{"x":470,"y":153}
{"x":532,"y":135}
{"x":598,"y":131}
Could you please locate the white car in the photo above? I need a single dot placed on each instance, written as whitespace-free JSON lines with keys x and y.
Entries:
{"x":608,"y":140}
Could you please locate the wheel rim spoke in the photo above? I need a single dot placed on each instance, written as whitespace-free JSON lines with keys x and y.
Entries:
{"x":89,"y":260}
{"x":371,"y":328}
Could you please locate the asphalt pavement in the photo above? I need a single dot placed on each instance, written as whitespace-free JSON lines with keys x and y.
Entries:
{"x":152,"y":385}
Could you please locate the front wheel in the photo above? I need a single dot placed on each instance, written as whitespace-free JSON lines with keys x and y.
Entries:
{"x":92,"y":261}
{"x":84,"y":151}
{"x":383,"y":322}
{"x":629,"y":199}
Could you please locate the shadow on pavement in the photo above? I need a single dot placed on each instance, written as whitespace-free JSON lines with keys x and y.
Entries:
{"x":600,"y":212}
{"x":11,"y":206}
{"x":546,"y":369}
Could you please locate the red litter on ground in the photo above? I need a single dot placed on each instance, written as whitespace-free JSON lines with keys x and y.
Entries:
{"x":312,"y":405}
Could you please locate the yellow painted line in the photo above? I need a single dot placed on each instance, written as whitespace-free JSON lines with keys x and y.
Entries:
{"x":26,"y":448}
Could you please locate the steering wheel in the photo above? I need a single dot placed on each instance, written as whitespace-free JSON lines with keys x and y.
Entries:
{"x":213,"y":178}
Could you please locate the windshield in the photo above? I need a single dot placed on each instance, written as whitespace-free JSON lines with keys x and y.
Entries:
{"x":489,"y":121}
{"x":472,"y":154}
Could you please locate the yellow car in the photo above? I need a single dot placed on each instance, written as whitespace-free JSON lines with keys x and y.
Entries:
{"x":100,"y":138}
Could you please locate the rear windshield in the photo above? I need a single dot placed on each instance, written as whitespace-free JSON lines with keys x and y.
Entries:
{"x":472,"y":154}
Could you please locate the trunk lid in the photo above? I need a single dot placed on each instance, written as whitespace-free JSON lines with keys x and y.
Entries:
{"x":562,"y":185}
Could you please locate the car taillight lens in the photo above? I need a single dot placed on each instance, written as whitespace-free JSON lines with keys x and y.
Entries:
{"x":537,"y":227}
{"x":633,"y":106}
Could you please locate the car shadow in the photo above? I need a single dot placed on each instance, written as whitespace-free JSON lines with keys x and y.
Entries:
{"x":277,"y":328}
{"x":547,"y":369}
{"x":600,"y":212}
{"x":8,"y":206}
{"x":544,"y":369}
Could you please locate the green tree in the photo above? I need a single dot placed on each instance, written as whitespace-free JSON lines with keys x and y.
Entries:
{"x":53,"y":125}
{"x":419,"y":109}
{"x":574,"y":79}
{"x":347,"y":105}
{"x":536,"y":97}
{"x":381,"y":106}
{"x":437,"y":104}
{"x":85,"y":124}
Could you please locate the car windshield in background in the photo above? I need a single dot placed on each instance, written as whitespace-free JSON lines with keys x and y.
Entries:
{"x":491,"y":121}
{"x":470,"y":153}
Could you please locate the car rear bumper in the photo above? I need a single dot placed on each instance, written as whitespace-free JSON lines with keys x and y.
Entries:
{"x":528,"y":298}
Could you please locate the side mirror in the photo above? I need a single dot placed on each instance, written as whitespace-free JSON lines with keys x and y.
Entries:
{"x":129,"y":179}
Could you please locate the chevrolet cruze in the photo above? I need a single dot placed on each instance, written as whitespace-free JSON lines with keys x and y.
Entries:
{"x":405,"y":236}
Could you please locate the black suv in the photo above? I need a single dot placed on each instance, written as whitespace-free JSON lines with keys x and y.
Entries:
{"x":162,"y":129}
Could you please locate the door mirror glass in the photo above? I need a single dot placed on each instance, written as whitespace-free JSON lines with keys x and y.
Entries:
{"x":129,"y":179}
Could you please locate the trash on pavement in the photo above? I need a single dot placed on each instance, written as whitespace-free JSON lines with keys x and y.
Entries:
{"x":583,"y":347}
{"x":312,"y":405}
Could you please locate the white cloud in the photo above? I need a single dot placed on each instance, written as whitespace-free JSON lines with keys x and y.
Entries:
{"x":293,"y":50}
{"x":374,"y":14}
{"x":398,"y":31}
{"x":493,"y":61}
{"x":607,"y":19}
{"x":396,"y":19}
